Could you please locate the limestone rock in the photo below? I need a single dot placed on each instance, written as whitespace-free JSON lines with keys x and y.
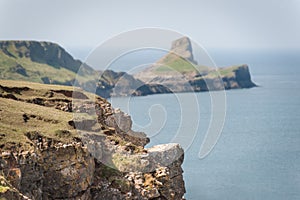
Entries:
{"x":183,"y":48}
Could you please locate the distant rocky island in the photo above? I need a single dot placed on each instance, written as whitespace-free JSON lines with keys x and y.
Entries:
{"x":179,"y":72}
{"x":48,"y":63}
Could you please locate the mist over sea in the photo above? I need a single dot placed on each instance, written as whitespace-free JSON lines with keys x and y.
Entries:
{"x":258,"y":153}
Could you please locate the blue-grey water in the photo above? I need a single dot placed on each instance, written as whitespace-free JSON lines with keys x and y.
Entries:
{"x":258,"y":153}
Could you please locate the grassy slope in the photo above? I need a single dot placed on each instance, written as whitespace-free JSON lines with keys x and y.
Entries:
{"x":172,"y":62}
{"x":223,"y":72}
{"x":35,"y":70}
{"x":13,"y":126}
{"x":48,"y":121}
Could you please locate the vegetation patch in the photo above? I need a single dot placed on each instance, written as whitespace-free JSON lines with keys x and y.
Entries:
{"x":22,"y":116}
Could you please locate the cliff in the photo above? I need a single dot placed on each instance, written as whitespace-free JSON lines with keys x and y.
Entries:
{"x":182,"y":47}
{"x":61,"y":143}
{"x":179,"y":72}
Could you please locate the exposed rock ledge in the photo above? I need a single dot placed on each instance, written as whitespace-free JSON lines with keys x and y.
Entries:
{"x":47,"y":153}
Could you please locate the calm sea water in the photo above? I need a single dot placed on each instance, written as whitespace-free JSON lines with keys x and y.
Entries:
{"x":258,"y":153}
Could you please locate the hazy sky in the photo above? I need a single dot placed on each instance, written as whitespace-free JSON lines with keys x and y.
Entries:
{"x":213,"y":23}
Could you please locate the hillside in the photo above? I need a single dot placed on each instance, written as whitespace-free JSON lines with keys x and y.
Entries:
{"x":46,"y":62}
{"x":61,"y":143}
{"x":179,"y":72}
{"x":42,"y":62}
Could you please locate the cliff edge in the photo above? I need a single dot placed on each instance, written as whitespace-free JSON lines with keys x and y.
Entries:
{"x":61,"y":143}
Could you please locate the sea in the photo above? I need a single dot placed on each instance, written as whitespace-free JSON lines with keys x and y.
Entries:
{"x":257,"y":154}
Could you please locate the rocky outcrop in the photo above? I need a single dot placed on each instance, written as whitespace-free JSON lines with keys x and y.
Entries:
{"x":179,"y":72}
{"x":57,"y":143}
{"x":243,"y":77}
{"x":69,"y":171}
{"x":238,"y":78}
{"x":181,"y":47}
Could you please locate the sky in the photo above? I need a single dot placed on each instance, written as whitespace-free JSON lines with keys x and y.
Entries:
{"x":81,"y":26}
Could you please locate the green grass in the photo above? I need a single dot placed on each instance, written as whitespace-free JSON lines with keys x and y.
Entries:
{"x":228,"y":70}
{"x":173,"y":62}
{"x":222,"y":72}
{"x":47,"y":121}
{"x":36,"y":71}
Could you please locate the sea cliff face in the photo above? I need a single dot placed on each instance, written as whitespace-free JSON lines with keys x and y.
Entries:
{"x":57,"y":143}
{"x":238,"y":78}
